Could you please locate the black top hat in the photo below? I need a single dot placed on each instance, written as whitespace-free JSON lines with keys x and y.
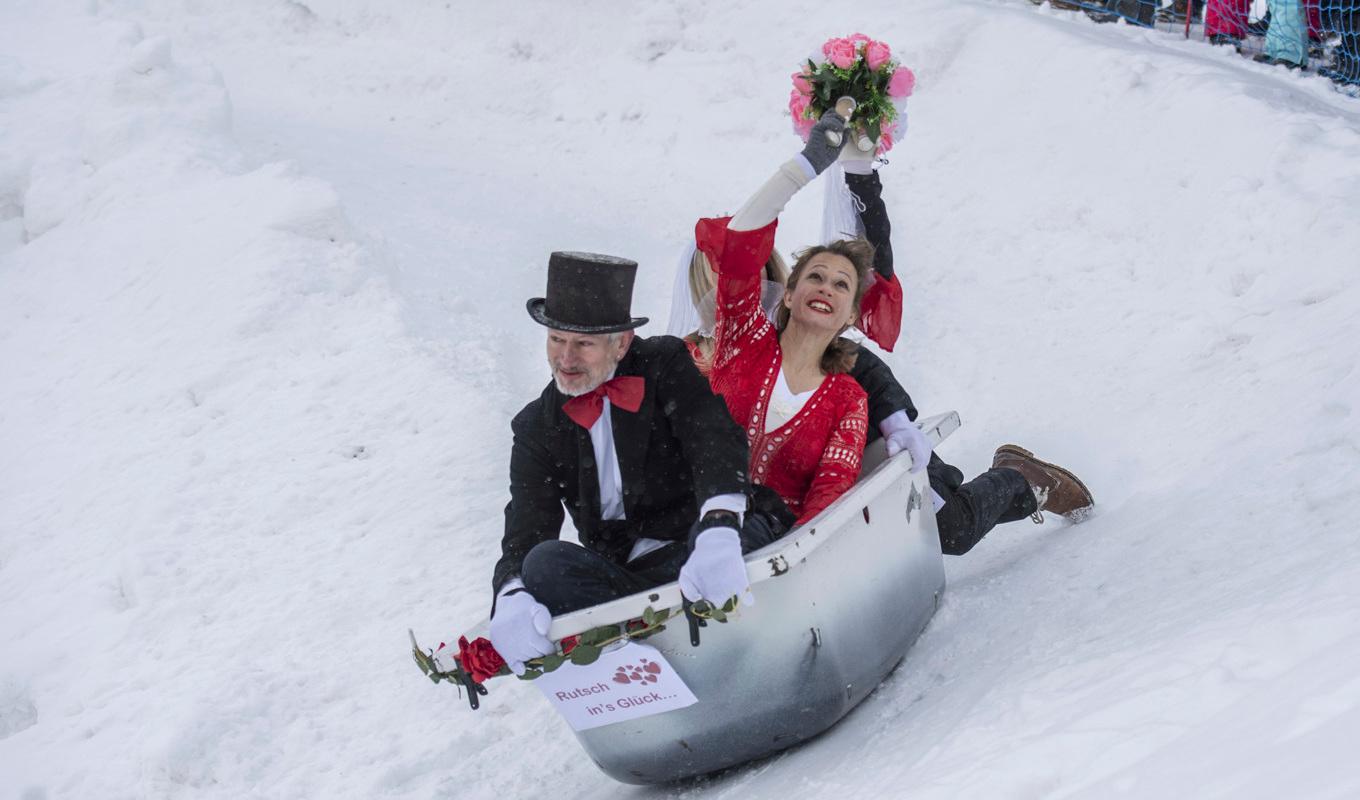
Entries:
{"x":587,"y":293}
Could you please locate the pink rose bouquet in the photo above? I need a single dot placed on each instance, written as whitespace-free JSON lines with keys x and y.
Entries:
{"x":859,"y":67}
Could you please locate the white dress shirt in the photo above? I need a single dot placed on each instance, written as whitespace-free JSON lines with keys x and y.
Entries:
{"x":611,"y":484}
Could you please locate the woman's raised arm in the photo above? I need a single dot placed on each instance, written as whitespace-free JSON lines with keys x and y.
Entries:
{"x":881,"y":306}
{"x":819,"y":153}
{"x":868,"y":189}
{"x":738,"y":250}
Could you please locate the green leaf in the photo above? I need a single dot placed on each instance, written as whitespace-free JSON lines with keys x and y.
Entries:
{"x":644,"y":634}
{"x":585,"y":654}
{"x":598,"y":636}
{"x":874,"y":130}
{"x":530,"y":674}
{"x":553,"y":661}
{"x":730,"y":605}
{"x":719,"y":615}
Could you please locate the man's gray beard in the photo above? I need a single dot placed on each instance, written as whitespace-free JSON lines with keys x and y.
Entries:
{"x":609,"y":373}
{"x":570,"y":393}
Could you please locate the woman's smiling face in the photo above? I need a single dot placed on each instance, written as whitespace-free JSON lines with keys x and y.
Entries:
{"x":823,"y":298}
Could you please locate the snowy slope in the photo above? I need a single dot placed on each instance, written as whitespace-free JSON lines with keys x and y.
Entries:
{"x":262,"y":272}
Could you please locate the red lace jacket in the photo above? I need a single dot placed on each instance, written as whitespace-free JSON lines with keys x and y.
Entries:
{"x":815,"y":456}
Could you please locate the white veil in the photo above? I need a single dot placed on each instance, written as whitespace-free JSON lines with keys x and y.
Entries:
{"x":840,"y":216}
{"x":686,"y":318}
{"x":840,"y":208}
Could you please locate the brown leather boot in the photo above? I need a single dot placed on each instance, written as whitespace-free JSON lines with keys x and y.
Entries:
{"x":1055,"y":488}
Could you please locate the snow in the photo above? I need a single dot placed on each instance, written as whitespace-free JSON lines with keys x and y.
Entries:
{"x":262,"y":274}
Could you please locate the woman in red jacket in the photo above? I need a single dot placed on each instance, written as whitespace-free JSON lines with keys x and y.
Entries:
{"x":785,"y":380}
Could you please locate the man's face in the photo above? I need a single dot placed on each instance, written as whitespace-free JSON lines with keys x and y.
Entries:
{"x":581,"y":361}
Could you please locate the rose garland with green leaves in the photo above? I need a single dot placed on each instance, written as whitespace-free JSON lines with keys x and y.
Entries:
{"x":477,"y":661}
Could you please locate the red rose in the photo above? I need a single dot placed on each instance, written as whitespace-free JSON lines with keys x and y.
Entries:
{"x":479,"y":659}
{"x":569,"y":644}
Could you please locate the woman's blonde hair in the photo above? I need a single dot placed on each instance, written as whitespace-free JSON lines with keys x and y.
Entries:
{"x":840,"y":354}
{"x":701,"y":273}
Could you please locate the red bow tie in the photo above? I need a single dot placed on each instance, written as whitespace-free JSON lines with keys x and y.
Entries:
{"x":625,"y":392}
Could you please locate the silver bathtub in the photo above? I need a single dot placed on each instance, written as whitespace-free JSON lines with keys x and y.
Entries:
{"x":839,"y":602}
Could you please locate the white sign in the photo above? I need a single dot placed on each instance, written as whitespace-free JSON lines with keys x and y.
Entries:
{"x":631,"y":682}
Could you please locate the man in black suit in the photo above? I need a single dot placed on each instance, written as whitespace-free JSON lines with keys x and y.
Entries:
{"x":629,"y":439}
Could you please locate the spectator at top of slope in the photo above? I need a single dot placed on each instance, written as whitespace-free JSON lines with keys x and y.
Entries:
{"x":1342,"y":17}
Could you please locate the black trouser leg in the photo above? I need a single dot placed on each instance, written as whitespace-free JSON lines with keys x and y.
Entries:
{"x":567,"y":577}
{"x":997,"y":495}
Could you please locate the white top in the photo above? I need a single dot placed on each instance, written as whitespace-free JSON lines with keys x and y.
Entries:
{"x":784,"y":404}
{"x":611,"y":484}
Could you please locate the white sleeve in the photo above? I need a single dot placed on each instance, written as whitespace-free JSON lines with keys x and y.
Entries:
{"x":765,"y":205}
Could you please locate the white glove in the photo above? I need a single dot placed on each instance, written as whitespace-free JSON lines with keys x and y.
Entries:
{"x":903,"y":434}
{"x":715,"y":570}
{"x":856,"y":161}
{"x":519,"y":628}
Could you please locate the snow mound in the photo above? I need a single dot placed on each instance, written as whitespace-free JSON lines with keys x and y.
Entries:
{"x":262,"y":275}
